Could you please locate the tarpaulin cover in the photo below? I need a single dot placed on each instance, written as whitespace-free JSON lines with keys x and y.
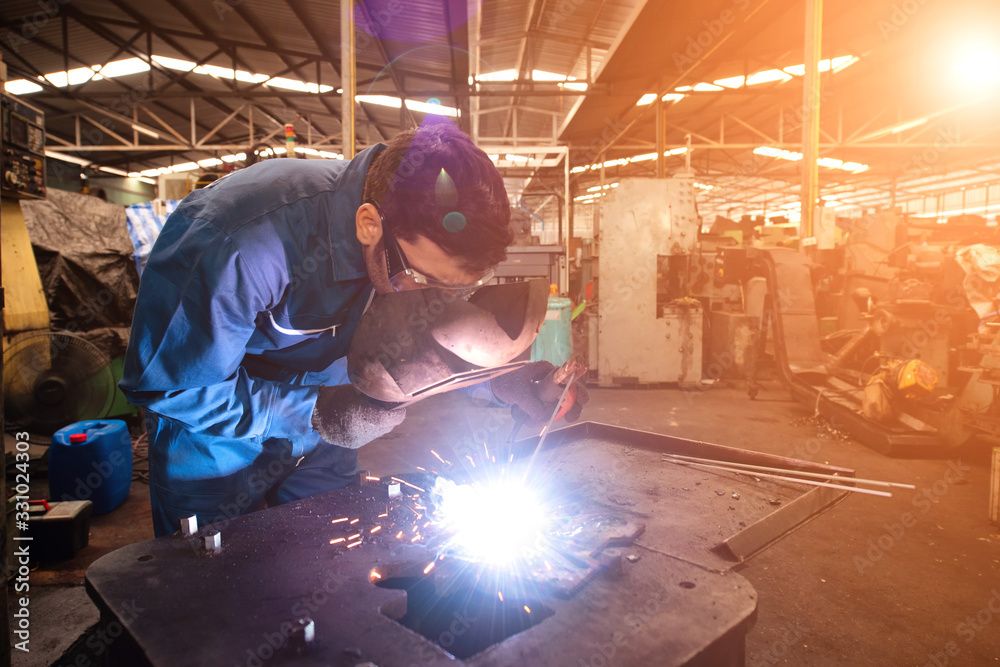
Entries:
{"x":84,"y":257}
{"x":145,"y":221}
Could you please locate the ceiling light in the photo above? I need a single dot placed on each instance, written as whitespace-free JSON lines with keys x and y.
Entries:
{"x":843,"y":62}
{"x":672,"y":97}
{"x":146,"y":131}
{"x":435,"y":108}
{"x":502,"y":75}
{"x":174,"y":63}
{"x":185,"y":166}
{"x":73,"y":77}
{"x":21,"y":87}
{"x":56,"y":155}
{"x":124,"y":67}
{"x":731,"y":82}
{"x":768,"y":76}
{"x":112,"y":170}
{"x":648,"y":98}
{"x":706,"y":87}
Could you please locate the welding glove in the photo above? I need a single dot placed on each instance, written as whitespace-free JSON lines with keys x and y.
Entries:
{"x":346,"y":417}
{"x":519,"y":389}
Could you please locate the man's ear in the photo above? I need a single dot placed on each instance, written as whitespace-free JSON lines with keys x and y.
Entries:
{"x":368,"y":225}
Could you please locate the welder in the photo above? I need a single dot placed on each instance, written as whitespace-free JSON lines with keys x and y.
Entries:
{"x":251,"y":296}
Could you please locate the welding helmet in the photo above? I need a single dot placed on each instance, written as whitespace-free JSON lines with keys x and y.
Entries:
{"x":417,"y":343}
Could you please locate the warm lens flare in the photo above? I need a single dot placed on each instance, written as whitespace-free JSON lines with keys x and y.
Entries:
{"x":979,"y":65}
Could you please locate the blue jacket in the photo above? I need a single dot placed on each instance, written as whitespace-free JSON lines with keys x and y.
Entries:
{"x":252,"y":292}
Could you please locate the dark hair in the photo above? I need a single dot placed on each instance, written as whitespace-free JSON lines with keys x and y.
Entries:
{"x":434,"y":182}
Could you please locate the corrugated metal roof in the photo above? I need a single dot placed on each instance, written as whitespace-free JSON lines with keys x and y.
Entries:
{"x":414,"y":49}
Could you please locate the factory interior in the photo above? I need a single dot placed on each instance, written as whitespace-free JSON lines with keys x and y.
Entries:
{"x":755,"y":255}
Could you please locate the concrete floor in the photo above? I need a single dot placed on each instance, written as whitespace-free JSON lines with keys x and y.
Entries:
{"x":908,"y":580}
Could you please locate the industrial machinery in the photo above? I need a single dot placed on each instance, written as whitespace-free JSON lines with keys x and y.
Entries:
{"x":650,"y":327}
{"x":909,"y":369}
{"x":527,"y":262}
{"x":398,"y":571}
{"x":23,"y":149}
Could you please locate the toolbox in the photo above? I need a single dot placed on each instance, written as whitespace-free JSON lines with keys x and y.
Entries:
{"x":58,"y":530}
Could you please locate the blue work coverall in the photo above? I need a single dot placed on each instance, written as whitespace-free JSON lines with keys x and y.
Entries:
{"x":250,"y":297}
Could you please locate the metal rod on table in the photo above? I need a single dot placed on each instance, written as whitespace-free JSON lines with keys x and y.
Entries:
{"x":829,"y":485}
{"x":814,"y":475}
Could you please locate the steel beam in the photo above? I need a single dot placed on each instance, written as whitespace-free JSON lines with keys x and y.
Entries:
{"x":348,"y":77}
{"x":810,"y":116}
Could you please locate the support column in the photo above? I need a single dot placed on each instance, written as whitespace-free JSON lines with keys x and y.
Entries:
{"x":661,"y":140}
{"x":348,"y":77}
{"x":810,"y":116}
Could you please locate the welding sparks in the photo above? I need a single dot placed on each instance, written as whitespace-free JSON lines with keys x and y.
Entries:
{"x":403,"y":481}
{"x":354,"y":522}
{"x":421,"y":469}
{"x":470,"y":460}
{"x":415,"y":538}
{"x":351,"y":546}
{"x":438,"y":457}
{"x":338,"y":540}
{"x":354,"y":537}
{"x":527,"y":609}
{"x":373,"y":479}
{"x":399,"y":535}
{"x":376,"y":575}
{"x":382,"y":516}
{"x":376,"y":529}
{"x":430,"y":566}
{"x":500,"y":595}
{"x":339,"y":520}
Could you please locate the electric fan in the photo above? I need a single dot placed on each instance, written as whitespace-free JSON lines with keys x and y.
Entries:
{"x":51,"y":380}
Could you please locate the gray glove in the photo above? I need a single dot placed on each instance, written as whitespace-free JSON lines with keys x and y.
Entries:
{"x":518,"y":389}
{"x":345,"y":417}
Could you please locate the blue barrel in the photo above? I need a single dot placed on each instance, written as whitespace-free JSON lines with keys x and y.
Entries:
{"x":91,"y":460}
{"x":555,"y":340}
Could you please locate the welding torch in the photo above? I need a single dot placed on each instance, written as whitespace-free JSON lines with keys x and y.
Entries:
{"x":550,"y":388}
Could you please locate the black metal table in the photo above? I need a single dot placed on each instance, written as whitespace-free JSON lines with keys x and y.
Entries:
{"x":675,"y":602}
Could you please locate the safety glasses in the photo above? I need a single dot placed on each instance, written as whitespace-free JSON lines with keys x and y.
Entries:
{"x":402,"y":276}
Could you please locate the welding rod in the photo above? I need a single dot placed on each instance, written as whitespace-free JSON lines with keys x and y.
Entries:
{"x":814,"y":475}
{"x":829,"y":485}
{"x":548,"y":425}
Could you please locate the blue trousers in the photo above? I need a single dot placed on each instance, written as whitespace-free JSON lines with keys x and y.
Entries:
{"x":218,"y":479}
